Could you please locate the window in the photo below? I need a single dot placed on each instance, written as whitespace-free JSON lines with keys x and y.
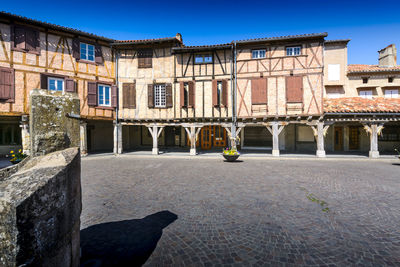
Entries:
{"x":259,"y":53}
{"x":10,"y":134}
{"x":159,"y":96}
{"x":365,"y":80}
{"x":333,"y":72}
{"x":390,"y":79}
{"x":203,"y":59}
{"x":390,"y":133}
{"x":104,"y":95}
{"x":25,"y":39}
{"x":185,"y":94}
{"x":55,"y":84}
{"x":366,"y":94}
{"x":392,"y":93}
{"x":145,"y":58}
{"x":293,"y":51}
{"x":219,"y":93}
{"x":87,"y":52}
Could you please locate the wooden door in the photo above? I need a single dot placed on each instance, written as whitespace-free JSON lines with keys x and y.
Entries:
{"x":219,"y":136}
{"x":354,"y":138}
{"x":338,"y":138}
{"x":206,"y":137}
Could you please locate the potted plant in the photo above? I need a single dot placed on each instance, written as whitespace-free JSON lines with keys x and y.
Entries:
{"x":17,"y":157}
{"x":230,"y":154}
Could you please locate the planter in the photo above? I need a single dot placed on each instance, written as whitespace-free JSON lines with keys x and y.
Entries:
{"x":16,"y":161}
{"x":230,"y":158}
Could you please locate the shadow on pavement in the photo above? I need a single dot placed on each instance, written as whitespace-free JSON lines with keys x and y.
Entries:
{"x":123,"y":243}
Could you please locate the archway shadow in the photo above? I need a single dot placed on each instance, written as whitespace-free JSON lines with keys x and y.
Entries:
{"x":123,"y":243}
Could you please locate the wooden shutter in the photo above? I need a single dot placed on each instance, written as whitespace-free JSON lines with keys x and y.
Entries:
{"x":214,"y":93}
{"x":98,"y":54}
{"x":70,"y":85}
{"x":132,"y":98}
{"x":19,"y":38}
{"x":168,"y":95}
{"x":150,"y":95}
{"x":125,"y":95}
{"x":192,"y":92}
{"x":114,"y":96}
{"x":182,"y":90}
{"x":92,"y":94}
{"x":76,"y":49}
{"x":7,"y":84}
{"x":43,"y":81}
{"x":224,"y":100}
{"x":30,"y":39}
{"x":37,"y":39}
{"x":145,"y":58}
{"x":294,"y":89}
{"x":259,"y":91}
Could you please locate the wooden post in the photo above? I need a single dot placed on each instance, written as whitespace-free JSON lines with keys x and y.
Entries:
{"x":373,"y":130}
{"x":193,"y":133}
{"x":275,"y":130}
{"x":320,"y":133}
{"x":83,"y":138}
{"x":155,"y":132}
{"x":117,"y":138}
{"x":26,"y":141}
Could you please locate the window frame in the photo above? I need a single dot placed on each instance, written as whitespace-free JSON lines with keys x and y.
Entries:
{"x":258,"y":53}
{"x":87,"y":51}
{"x":160,"y":99}
{"x":396,"y":95}
{"x":56,"y":79}
{"x":293,"y":49}
{"x":203,"y":57}
{"x":365,"y":80}
{"x":367,"y":96}
{"x":104,"y":95}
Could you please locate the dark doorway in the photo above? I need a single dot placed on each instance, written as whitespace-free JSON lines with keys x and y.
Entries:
{"x":338,"y":138}
{"x":171,"y":136}
{"x":354,"y":138}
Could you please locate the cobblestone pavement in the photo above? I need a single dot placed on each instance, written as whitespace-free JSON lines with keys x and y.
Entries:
{"x":256,"y":212}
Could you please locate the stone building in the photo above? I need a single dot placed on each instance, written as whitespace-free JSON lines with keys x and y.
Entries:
{"x":290,"y":93}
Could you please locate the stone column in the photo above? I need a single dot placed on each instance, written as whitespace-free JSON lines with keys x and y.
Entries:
{"x":26,"y":141}
{"x":373,"y":151}
{"x":83,"y":138}
{"x":320,"y":139}
{"x":117,"y":138}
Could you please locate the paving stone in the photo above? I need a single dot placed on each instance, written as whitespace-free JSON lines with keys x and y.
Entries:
{"x":257,"y":212}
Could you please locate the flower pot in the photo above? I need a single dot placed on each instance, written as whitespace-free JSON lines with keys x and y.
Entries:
{"x":16,"y":161}
{"x":230,"y":158}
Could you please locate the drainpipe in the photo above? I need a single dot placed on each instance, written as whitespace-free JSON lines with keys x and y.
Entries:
{"x":116,"y":109}
{"x":234,"y":115}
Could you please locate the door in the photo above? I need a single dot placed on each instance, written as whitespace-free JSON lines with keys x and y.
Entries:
{"x":354,"y":138}
{"x":219,"y":137}
{"x":169,"y":136}
{"x":206,"y":137}
{"x":338,"y":138}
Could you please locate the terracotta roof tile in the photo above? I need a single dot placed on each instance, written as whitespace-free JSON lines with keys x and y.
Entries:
{"x":164,"y":39}
{"x":360,"y":68}
{"x":363,"y":105}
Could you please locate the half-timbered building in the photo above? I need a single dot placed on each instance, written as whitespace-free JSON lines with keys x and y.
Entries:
{"x":35,"y":54}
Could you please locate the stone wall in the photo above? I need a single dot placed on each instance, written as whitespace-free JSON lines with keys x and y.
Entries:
{"x":51,"y":126}
{"x":40,"y":209}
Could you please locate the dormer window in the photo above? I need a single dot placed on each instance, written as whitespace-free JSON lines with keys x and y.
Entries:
{"x":390,"y":79}
{"x":365,"y":80}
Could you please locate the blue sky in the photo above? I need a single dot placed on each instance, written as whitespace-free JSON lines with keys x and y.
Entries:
{"x":371,"y":25}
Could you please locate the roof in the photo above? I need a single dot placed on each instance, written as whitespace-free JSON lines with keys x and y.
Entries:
{"x":56,"y":27}
{"x":337,"y":41}
{"x":177,"y":38}
{"x":284,"y":38}
{"x":202,"y":47}
{"x":360,"y":68}
{"x":361,"y":105}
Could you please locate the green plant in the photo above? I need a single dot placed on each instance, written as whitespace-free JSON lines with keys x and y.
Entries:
{"x":397,"y":151}
{"x":230,"y":152}
{"x":17,"y":156}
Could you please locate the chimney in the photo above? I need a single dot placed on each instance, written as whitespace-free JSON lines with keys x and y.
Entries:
{"x":388,"y":56}
{"x":179,"y":37}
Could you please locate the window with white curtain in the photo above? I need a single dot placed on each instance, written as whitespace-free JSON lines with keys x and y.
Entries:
{"x":159,"y":96}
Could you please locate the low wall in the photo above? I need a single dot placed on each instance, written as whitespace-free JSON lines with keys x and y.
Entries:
{"x":40,"y":207}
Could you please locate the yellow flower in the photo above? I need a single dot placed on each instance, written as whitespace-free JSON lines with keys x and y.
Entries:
{"x":12,"y":151}
{"x":19,"y":151}
{"x":13,"y":155}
